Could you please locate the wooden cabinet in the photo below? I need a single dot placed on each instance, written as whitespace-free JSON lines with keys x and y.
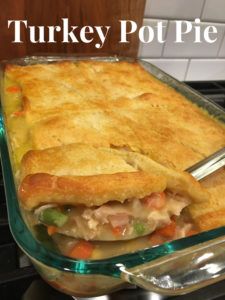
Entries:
{"x":79,"y":13}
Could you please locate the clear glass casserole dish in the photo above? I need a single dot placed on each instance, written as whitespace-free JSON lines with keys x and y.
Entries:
{"x":173,"y":268}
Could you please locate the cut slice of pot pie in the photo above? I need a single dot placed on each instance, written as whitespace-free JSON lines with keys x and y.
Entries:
{"x":100,"y":193}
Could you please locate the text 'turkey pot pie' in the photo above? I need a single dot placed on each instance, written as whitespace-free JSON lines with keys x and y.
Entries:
{"x":91,"y":193}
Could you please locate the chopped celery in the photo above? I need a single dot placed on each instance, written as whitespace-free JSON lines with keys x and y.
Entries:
{"x":52,"y":216}
{"x":139,"y":228}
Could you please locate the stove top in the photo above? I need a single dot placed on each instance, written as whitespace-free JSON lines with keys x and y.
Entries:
{"x":20,"y":281}
{"x":215,"y":90}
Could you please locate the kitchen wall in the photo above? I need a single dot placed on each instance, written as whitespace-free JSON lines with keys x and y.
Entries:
{"x":186,"y":61}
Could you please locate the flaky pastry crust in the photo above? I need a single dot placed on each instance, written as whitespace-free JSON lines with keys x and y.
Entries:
{"x":83,"y":174}
{"x":110,"y":105}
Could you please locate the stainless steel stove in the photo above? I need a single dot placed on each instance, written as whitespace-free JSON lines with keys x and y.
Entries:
{"x":19,"y":280}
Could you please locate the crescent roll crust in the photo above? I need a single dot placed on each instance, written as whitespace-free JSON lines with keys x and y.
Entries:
{"x":41,"y":188}
{"x":83,"y":174}
{"x":95,"y":128}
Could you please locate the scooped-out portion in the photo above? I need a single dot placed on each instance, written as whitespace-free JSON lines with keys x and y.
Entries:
{"x":113,"y":220}
{"x":102,"y":194}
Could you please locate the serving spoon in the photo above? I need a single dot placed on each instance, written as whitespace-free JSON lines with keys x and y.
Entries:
{"x":208,"y":165}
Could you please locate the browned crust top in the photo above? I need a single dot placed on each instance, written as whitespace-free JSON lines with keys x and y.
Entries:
{"x":39,"y":189}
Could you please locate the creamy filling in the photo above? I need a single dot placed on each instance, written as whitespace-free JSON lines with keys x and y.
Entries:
{"x":100,"y":249}
{"x":115,"y":221}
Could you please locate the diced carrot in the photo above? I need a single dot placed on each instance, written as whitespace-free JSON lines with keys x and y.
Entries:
{"x":156,"y":239}
{"x":168,"y":231}
{"x":118,"y":230}
{"x":18,"y":113}
{"x":155,"y":200}
{"x":82,"y":250}
{"x":13,"y":89}
{"x":192,"y":232}
{"x":51,"y":230}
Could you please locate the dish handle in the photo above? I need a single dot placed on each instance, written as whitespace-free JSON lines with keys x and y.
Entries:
{"x":181,"y":272}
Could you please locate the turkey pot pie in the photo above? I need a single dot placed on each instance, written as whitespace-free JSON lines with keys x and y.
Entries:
{"x":99,"y":147}
{"x":105,"y":194}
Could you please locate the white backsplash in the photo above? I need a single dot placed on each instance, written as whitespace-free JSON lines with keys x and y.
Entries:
{"x":174,"y":9}
{"x":176,"y":67}
{"x":189,"y":48}
{"x":186,"y":61}
{"x":153,"y":49}
{"x":214,"y":11}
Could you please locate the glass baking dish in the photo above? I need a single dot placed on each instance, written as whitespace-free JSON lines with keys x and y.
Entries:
{"x":173,"y":268}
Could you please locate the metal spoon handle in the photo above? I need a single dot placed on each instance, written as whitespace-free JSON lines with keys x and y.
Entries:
{"x":208,"y":165}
